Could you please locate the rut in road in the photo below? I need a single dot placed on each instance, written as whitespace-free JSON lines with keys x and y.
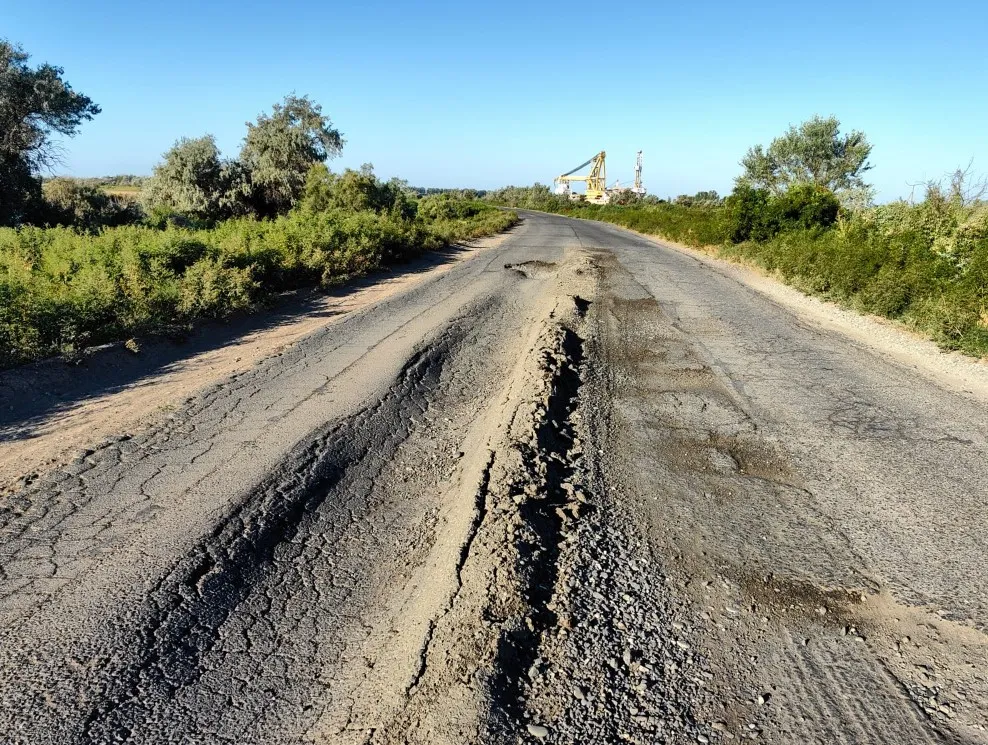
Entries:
{"x":479,"y":650}
{"x":322,"y":605}
{"x":550,"y":505}
{"x":266,"y":538}
{"x":255,"y":606}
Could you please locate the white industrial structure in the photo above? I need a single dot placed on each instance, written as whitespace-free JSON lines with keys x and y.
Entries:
{"x":638,"y":188}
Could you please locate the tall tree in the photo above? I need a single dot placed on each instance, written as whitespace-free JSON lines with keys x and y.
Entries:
{"x":35,"y":105}
{"x":194,"y":180}
{"x":280,"y":148}
{"x":20,"y":191}
{"x":815,"y":152}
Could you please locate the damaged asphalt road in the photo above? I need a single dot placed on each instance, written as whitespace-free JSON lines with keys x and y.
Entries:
{"x":580,"y":488}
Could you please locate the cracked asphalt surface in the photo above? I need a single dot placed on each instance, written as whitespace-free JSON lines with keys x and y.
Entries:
{"x":579,"y":488}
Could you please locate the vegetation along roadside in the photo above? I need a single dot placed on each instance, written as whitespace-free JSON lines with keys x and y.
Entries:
{"x":802,"y":211}
{"x":86,"y":262}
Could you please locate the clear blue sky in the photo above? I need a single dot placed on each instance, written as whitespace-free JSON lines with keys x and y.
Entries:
{"x":483,"y":95}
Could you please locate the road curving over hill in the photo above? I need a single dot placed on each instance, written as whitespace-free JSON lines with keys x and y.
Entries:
{"x":579,"y":488}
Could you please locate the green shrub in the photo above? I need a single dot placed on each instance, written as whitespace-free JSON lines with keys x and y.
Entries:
{"x":355,"y":191}
{"x":176,"y":250}
{"x":210,"y":289}
{"x":448,"y":207}
{"x":898,"y":275}
{"x":970,"y":236}
{"x":692,"y":225}
{"x":748,"y":214}
{"x":755,"y":214}
{"x":72,"y":202}
{"x":61,"y":288}
{"x":536,"y":197}
{"x":803,"y":207}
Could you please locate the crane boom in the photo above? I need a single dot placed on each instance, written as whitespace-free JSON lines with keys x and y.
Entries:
{"x":579,"y":167}
{"x":596,"y":180}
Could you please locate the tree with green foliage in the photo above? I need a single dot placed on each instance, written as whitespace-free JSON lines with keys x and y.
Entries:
{"x":815,"y":152}
{"x":35,"y":104}
{"x":625,"y":198}
{"x":700,"y":199}
{"x":192,"y":179}
{"x":280,"y":148}
{"x":20,"y":191}
{"x":535,"y":197}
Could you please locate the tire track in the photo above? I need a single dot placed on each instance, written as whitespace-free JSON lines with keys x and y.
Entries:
{"x":191,"y":603}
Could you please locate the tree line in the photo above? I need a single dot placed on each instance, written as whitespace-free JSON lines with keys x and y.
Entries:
{"x":267,"y":178}
{"x":193,"y":181}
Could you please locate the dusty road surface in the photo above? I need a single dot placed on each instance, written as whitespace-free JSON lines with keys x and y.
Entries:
{"x":579,"y":488}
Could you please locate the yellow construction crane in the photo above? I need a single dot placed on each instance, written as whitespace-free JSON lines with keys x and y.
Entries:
{"x":596,"y":180}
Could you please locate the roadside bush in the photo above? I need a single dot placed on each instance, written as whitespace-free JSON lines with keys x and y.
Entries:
{"x":694,"y":225}
{"x":62,"y":289}
{"x":886,"y":293}
{"x":355,"y":191}
{"x":972,"y":232}
{"x":748,"y":214}
{"x":448,"y":207}
{"x":898,"y":275}
{"x":700,"y":199}
{"x":210,"y":289}
{"x":536,"y":197}
{"x":627,"y":199}
{"x":176,"y":251}
{"x":756,"y":214}
{"x":804,"y":207}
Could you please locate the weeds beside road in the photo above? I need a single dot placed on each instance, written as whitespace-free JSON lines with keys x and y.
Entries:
{"x":924,"y":264}
{"x":62,"y":289}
